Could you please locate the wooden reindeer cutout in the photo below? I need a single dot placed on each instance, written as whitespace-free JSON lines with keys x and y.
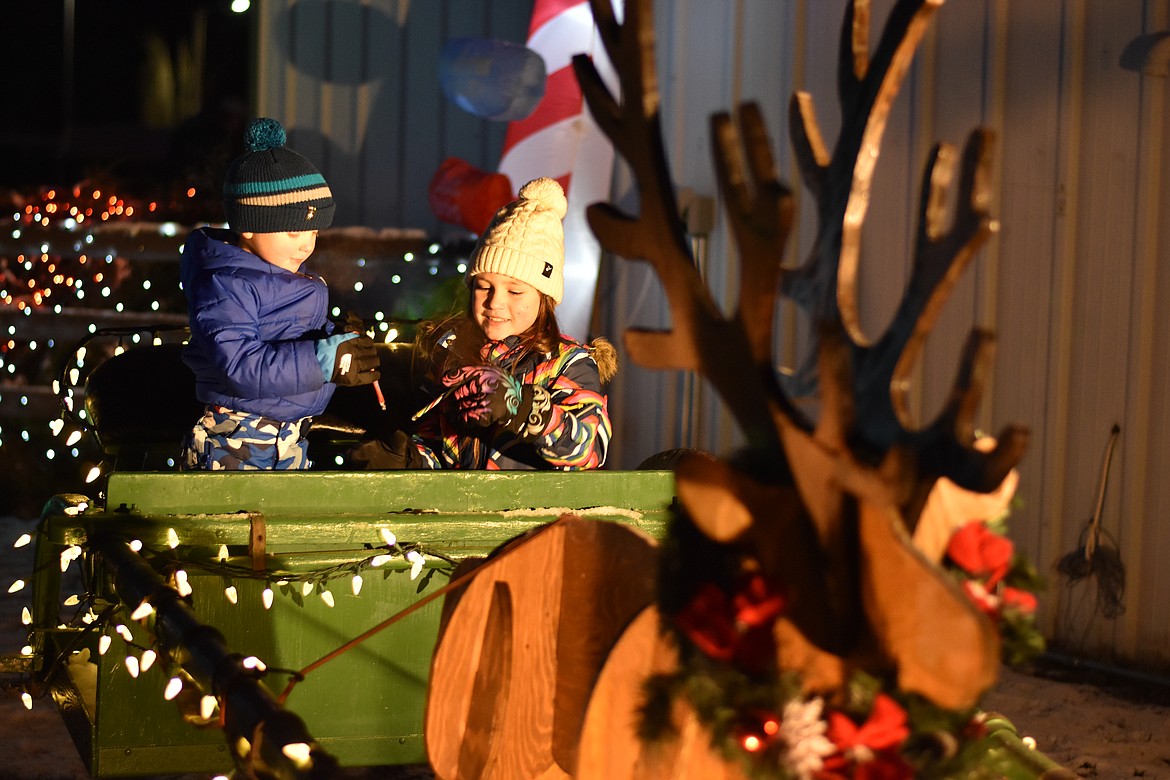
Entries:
{"x":825,"y":507}
{"x":861,"y":474}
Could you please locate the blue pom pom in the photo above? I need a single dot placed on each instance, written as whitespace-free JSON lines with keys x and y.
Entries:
{"x":264,"y":133}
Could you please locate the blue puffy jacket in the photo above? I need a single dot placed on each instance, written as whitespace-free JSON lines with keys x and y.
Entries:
{"x":251,"y":345}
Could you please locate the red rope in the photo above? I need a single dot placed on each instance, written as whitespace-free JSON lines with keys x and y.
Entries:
{"x":458,"y":582}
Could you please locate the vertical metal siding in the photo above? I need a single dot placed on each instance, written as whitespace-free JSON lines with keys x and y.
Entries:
{"x":1073,"y":284}
{"x":356,"y":84}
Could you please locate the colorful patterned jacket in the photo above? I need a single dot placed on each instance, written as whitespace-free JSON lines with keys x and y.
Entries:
{"x":577,"y":430}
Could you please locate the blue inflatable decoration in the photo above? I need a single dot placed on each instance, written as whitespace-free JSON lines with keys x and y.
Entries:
{"x":493,"y":79}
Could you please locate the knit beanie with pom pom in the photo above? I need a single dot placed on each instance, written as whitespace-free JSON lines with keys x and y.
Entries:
{"x":272,"y":189}
{"x":525,"y":239}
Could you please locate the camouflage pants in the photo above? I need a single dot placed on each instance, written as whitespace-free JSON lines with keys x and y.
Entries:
{"x":223,"y":440}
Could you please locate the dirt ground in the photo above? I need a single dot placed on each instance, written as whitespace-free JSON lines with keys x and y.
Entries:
{"x":1093,"y":722}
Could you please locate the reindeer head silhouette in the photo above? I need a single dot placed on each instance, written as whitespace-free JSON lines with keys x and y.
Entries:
{"x":832,"y":501}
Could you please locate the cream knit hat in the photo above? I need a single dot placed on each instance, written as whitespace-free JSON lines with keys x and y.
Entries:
{"x":525,"y":239}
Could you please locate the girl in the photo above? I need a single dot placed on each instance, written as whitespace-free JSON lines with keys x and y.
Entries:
{"x":508,"y":390}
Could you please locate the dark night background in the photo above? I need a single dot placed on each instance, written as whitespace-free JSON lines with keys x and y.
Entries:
{"x":148,"y":92}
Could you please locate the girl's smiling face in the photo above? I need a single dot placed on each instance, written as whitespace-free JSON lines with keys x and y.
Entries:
{"x":502,"y":305}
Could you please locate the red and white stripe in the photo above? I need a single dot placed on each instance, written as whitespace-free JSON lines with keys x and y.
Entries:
{"x":560,"y":140}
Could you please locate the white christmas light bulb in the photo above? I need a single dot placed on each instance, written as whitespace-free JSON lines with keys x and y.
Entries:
{"x":142,"y":612}
{"x":125,"y":632}
{"x":27,"y":700}
{"x":181,"y":583}
{"x":252,"y":662}
{"x":306,"y":589}
{"x":207,"y":707}
{"x":26,"y":650}
{"x":73,"y":600}
{"x":136,"y":545}
{"x":223,"y":553}
{"x":104,"y":644}
{"x":132,"y":666}
{"x":299,"y":753}
{"x":25,"y":616}
{"x":416,"y":563}
{"x":327,"y":597}
{"x":15,"y":586}
{"x":356,"y":584}
{"x":68,"y":555}
{"x":230,"y":593}
{"x":73,"y":438}
{"x":22,"y":540}
{"x":174,"y":687}
{"x":380,"y":560}
{"x":389,"y":536}
{"x":93,"y":474}
{"x":172,"y":538}
{"x":147,"y":660}
{"x":266,"y":598}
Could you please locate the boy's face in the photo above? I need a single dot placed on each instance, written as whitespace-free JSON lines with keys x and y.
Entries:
{"x":286,"y":250}
{"x":503,"y":306}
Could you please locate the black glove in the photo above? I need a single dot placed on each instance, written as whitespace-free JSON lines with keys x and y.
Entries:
{"x":381,"y":455}
{"x":483,"y":395}
{"x":348,"y":360}
{"x":349,"y":323}
{"x":532,"y":414}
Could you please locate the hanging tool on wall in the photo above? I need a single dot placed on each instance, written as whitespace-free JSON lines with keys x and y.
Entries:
{"x":1096,"y":555}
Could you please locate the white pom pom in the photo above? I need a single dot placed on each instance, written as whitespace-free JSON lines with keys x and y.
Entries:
{"x":548,"y":193}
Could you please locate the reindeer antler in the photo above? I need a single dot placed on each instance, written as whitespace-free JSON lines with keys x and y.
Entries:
{"x":701,"y":339}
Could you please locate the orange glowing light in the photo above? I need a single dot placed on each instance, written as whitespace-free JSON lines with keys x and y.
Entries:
{"x":152,"y":206}
{"x":97,"y":194}
{"x":112,"y":200}
{"x":771,"y":727}
{"x":190,"y":192}
{"x":129,"y":211}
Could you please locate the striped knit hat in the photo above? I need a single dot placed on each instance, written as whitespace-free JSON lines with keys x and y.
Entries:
{"x":272,"y":189}
{"x":526,"y":240}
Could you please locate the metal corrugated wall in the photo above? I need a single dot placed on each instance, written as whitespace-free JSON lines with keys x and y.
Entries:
{"x":1073,"y":283}
{"x":357,"y":84}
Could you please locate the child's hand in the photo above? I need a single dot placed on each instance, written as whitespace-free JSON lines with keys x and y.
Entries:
{"x":348,"y":359}
{"x":483,"y":395}
{"x":349,"y":323}
{"x":398,"y":452}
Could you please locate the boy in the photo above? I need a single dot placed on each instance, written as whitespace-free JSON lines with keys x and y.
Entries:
{"x":265,"y":356}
